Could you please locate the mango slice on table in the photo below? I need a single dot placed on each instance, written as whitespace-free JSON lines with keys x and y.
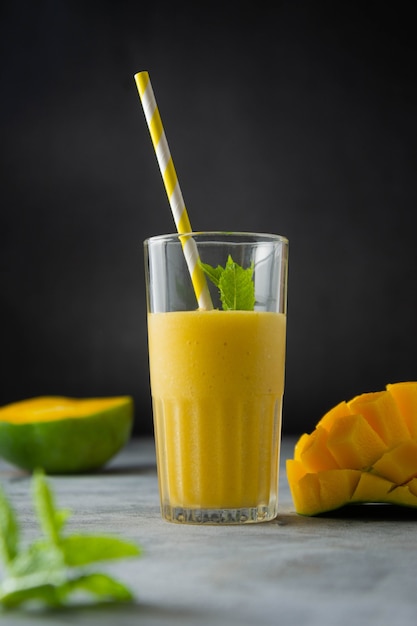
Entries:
{"x":64,"y":435}
{"x":361,"y":451}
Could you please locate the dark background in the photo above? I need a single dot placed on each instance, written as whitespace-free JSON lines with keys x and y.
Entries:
{"x":298,"y":119}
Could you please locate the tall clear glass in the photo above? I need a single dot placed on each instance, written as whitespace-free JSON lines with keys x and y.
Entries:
{"x":217,"y":380}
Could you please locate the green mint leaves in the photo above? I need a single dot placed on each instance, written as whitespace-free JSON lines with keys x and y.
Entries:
{"x":235,"y":284}
{"x":52,"y":569}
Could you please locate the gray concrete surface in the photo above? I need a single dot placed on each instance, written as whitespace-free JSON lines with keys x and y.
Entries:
{"x":355,"y":567}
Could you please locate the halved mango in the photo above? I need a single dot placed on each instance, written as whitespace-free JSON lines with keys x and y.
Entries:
{"x":64,"y":435}
{"x":364,"y":450}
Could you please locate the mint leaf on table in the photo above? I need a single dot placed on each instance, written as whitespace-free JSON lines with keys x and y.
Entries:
{"x":235,"y":284}
{"x":52,"y":569}
{"x":51,"y":520}
{"x":9,"y":530}
{"x":80,"y":550}
{"x":102,"y":585}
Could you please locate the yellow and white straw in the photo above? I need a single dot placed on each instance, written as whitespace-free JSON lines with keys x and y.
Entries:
{"x":172,"y":188}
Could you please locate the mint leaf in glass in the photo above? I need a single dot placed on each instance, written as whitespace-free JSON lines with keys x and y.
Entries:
{"x":235,"y":284}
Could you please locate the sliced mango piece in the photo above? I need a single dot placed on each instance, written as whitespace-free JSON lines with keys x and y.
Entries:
{"x":412,"y":486}
{"x":300,"y":445}
{"x":399,"y":465}
{"x":382,"y":413}
{"x":305,"y":490}
{"x":315,"y":455}
{"x":332,"y":416}
{"x":337,"y":487}
{"x":295,"y":470}
{"x":373,"y":488}
{"x":354,"y":443}
{"x":405,"y":396}
{"x":315,"y":493}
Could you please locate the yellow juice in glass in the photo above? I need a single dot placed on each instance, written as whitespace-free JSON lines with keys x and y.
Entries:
{"x":217,"y":380}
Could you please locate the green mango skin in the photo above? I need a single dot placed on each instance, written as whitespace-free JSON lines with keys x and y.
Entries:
{"x":68,"y":445}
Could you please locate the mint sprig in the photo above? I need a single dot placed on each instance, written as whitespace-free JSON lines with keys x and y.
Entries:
{"x":235,"y":284}
{"x":52,"y":569}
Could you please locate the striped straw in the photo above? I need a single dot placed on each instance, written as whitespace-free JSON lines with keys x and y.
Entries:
{"x":172,"y":188}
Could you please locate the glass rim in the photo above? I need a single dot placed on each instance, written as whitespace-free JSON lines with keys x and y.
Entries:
{"x":220,"y":236}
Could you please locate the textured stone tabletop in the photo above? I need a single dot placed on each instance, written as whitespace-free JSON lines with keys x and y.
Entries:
{"x":356,"y":567}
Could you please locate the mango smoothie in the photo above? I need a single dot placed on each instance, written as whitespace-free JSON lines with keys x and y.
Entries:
{"x":217,"y":380}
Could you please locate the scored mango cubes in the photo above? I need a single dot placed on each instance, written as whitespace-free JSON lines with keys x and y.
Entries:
{"x":364,"y":450}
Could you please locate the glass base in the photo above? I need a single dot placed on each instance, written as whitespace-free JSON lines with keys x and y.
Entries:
{"x":249,"y":515}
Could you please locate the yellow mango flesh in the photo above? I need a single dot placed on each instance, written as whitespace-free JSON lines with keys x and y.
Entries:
{"x":364,"y":450}
{"x":382,"y":414}
{"x":405,"y":396}
{"x":300,"y":445}
{"x":49,"y":408}
{"x":354,"y":443}
{"x":398,"y":464}
{"x":315,"y":455}
{"x":337,"y":487}
{"x":326,"y":490}
{"x":333,"y":415}
{"x":305,"y":489}
{"x":373,"y":488}
{"x":412,"y":486}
